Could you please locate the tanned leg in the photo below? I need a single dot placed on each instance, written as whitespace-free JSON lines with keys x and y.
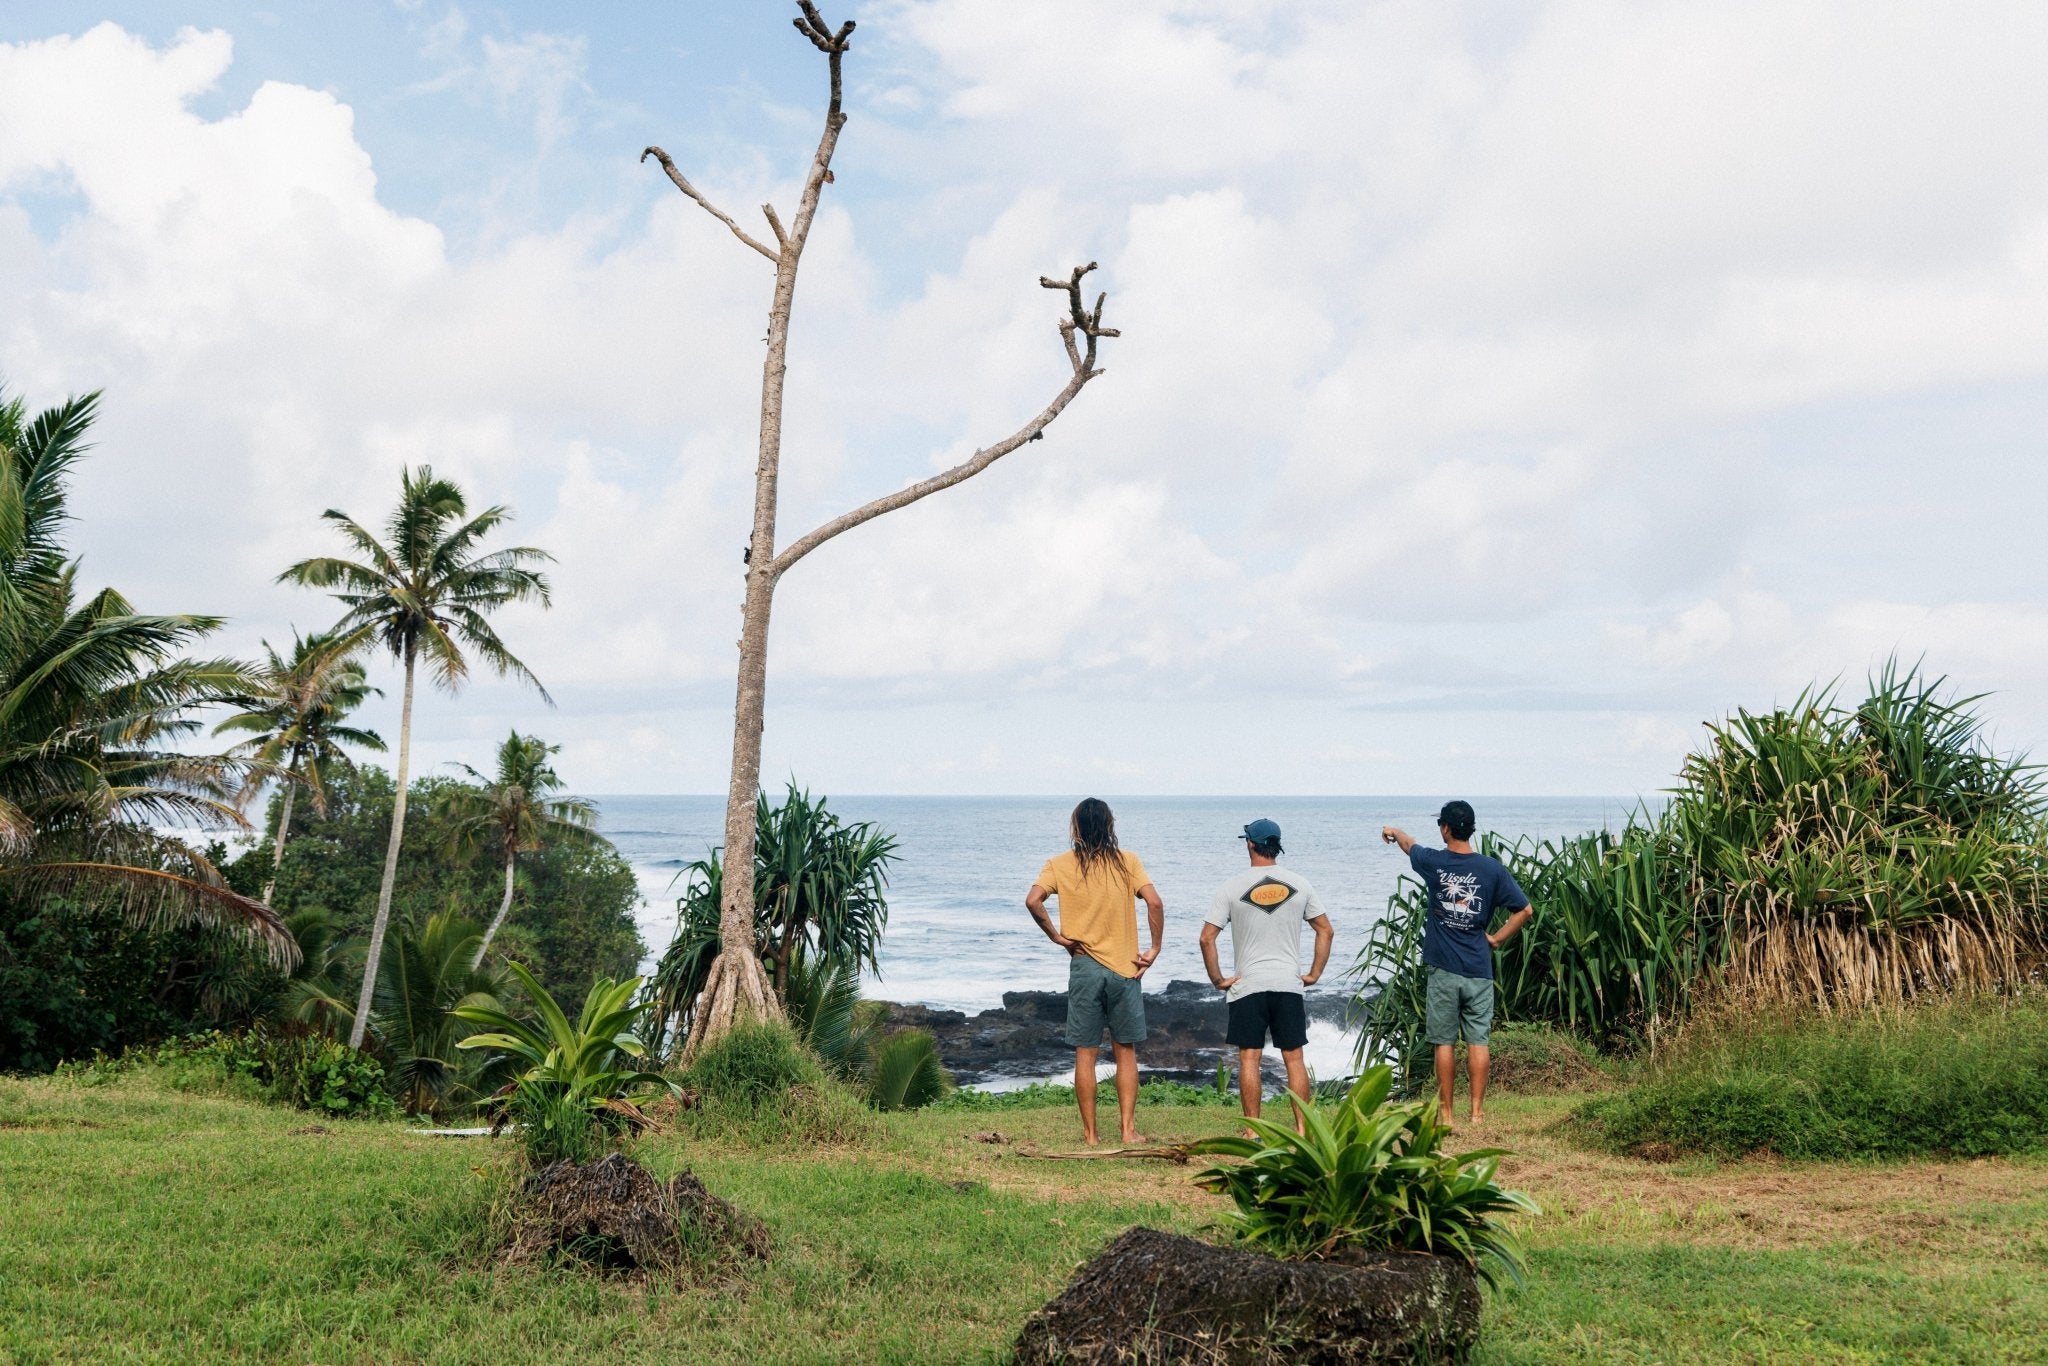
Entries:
{"x":1127,"y":1089}
{"x":1446,"y":1067}
{"x":1249,"y":1083}
{"x":1297,"y":1082}
{"x":1476,"y":1061}
{"x":1084,"y":1090}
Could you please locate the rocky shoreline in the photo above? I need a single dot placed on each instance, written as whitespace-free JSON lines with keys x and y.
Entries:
{"x":1023,"y":1037}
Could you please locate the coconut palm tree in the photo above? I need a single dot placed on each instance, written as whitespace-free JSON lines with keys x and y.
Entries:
{"x":425,"y":593}
{"x":513,"y":813}
{"x":93,"y":698}
{"x":295,"y":721}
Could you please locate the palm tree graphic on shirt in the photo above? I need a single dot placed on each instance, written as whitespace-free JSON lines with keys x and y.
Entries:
{"x":1459,"y":901}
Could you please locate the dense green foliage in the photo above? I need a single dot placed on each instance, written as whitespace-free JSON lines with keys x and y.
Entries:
{"x":574,"y":922}
{"x":1966,"y":1077}
{"x":819,"y":887}
{"x":295,"y":1068}
{"x":429,"y":973}
{"x":574,"y":1096}
{"x":79,"y":978}
{"x":1817,"y":855}
{"x":1371,"y":1174}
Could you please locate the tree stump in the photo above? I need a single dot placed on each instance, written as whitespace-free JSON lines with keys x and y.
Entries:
{"x":1160,"y":1297}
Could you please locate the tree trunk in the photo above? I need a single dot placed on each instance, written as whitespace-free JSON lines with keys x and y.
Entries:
{"x":497,"y":921}
{"x":737,"y":990}
{"x":376,"y":954}
{"x":284,"y":825}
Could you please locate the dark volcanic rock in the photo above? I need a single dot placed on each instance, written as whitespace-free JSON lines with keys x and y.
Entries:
{"x":1025,"y":1036}
{"x":1159,"y":1297}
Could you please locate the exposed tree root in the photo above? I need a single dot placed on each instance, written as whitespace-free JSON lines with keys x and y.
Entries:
{"x":736,"y":992}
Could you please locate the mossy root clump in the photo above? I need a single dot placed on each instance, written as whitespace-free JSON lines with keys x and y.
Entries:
{"x":758,"y":1083}
{"x":613,"y":1215}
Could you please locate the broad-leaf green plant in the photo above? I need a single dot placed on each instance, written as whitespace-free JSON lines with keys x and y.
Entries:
{"x":1368,"y":1174}
{"x":576,"y":1095}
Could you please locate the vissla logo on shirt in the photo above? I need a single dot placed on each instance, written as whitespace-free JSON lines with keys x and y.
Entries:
{"x":1269,"y":894}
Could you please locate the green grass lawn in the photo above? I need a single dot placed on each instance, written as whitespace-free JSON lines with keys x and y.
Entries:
{"x":142,"y":1223}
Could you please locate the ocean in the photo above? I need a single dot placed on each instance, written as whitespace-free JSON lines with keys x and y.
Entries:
{"x":958,"y":934}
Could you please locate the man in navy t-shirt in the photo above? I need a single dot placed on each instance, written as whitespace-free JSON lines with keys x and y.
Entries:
{"x":1464,"y":890}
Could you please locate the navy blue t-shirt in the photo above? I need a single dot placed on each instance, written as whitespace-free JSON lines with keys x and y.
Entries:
{"x":1464,"y":891}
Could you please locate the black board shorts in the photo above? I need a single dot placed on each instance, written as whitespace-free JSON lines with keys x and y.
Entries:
{"x":1284,"y":1014}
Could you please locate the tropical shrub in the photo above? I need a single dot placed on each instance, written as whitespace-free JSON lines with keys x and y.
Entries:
{"x":575,"y":1097}
{"x":417,"y":1022}
{"x":906,"y":1073}
{"x":893,"y":1071}
{"x":819,"y":901}
{"x":286,"y":1068}
{"x":1866,"y":854}
{"x":1371,"y":1175}
{"x":758,"y":1083}
{"x":752,"y":1066}
{"x":1819,"y":856}
{"x":1964,"y":1077}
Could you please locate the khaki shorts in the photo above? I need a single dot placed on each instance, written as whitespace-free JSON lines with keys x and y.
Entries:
{"x":1457,"y":1004}
{"x":1097,"y":997}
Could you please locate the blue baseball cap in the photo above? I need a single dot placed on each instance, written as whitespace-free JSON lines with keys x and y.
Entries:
{"x":1263,"y":832}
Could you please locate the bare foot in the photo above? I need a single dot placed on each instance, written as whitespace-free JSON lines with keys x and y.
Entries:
{"x":1091,"y":1140}
{"x":1477,"y":1119}
{"x":1136,"y":1140}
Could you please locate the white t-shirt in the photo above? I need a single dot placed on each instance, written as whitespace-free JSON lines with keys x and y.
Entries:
{"x":1264,"y":908}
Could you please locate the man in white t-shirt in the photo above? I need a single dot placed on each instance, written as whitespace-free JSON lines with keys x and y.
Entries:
{"x":1265,"y":908}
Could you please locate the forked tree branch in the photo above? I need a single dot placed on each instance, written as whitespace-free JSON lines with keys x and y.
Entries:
{"x":691,"y":190}
{"x":1079,"y":321}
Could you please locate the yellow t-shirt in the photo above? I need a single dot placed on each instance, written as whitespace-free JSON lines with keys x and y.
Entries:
{"x":1099,"y":911}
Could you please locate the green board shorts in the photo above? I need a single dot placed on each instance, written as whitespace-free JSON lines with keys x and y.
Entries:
{"x":1097,"y":997}
{"x":1456,"y":1003}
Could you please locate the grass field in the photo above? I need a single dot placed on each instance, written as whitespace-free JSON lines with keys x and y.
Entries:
{"x":143,"y":1223}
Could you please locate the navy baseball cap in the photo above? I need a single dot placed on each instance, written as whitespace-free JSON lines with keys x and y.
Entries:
{"x":1263,"y":832}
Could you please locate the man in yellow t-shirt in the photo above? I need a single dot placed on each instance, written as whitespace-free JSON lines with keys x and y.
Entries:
{"x":1098,"y":886}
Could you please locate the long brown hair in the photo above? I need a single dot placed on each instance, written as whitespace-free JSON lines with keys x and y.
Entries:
{"x":1094,"y":828}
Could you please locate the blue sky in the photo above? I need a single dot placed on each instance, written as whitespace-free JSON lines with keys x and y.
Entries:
{"x":1505,"y":389}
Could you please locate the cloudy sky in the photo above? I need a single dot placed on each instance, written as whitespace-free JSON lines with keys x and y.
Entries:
{"x":1504,"y":388}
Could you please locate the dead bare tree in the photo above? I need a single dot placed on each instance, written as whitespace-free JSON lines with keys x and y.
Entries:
{"x":737,"y":988}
